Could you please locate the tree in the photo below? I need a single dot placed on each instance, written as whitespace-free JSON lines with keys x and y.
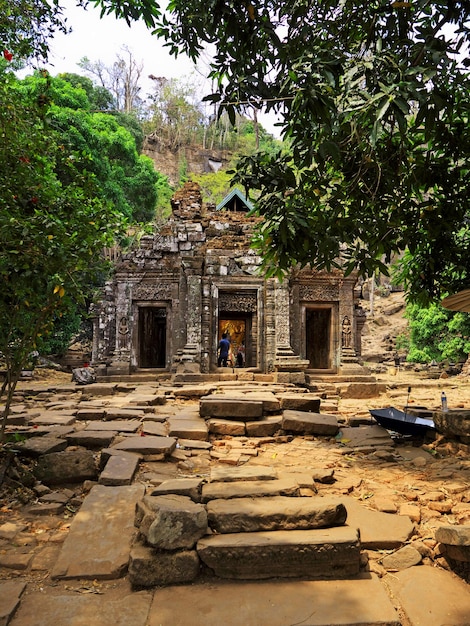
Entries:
{"x":54,"y":225}
{"x":375,"y":103}
{"x":27,"y":25}
{"x":437,"y":334}
{"x":107,"y":148}
{"x":121,"y":79}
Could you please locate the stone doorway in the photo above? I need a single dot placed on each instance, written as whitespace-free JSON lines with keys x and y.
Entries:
{"x":318,"y":321}
{"x":152,"y":337}
{"x":239,"y":330}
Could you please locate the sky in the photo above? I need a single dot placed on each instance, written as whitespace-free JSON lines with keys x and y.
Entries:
{"x":102,"y":39}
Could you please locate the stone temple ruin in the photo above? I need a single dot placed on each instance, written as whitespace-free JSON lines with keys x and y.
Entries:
{"x":172,"y":298}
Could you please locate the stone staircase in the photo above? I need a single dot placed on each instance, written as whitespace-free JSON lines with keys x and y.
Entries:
{"x":248,"y":524}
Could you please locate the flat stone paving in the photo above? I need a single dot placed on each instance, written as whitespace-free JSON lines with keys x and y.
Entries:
{"x":99,"y":540}
{"x":98,"y":545}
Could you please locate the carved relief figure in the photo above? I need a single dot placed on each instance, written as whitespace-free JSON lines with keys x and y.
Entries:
{"x":346,"y":333}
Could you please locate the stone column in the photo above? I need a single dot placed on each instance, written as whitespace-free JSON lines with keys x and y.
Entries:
{"x":286,"y":359}
{"x":192,"y":348}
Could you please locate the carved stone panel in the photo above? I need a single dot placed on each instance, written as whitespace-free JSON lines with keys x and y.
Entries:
{"x":238,"y":301}
{"x":319,"y":293}
{"x":149,"y":291}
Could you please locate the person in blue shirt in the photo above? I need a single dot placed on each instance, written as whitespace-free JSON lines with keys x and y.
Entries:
{"x":224,"y":349}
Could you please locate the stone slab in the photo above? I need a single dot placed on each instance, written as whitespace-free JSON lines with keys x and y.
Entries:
{"x":365,"y":436}
{"x":300,"y":402}
{"x":190,"y":487}
{"x":42,"y":445}
{"x":10,"y":594}
{"x":265,"y":427}
{"x":309,"y":423}
{"x":48,"y":418}
{"x":148,"y":445}
{"x":121,"y":426}
{"x":320,"y":553}
{"x":230,"y":428}
{"x":159,"y":429}
{"x":188,"y":428}
{"x":274,"y":513}
{"x":119,"y":470}
{"x":379,"y":531}
{"x":117,"y":413}
{"x":249,"y":472}
{"x":431,"y":596}
{"x":90,"y":413}
{"x":361,"y":602}
{"x":72,"y":609}
{"x":91,"y":438}
{"x":99,"y":541}
{"x":250,"y":488}
{"x":231,"y":408}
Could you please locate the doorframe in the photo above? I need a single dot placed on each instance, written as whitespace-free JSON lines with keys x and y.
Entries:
{"x":257,"y":320}
{"x":334,"y":337}
{"x":160,"y":304}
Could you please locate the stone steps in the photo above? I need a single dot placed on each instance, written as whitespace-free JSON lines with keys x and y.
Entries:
{"x":313,"y":554}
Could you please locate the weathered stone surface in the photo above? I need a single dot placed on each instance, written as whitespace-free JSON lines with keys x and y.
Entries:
{"x":431,"y":596}
{"x":194,"y":444}
{"x":300,"y":402}
{"x":331,"y":553}
{"x":121,"y":426}
{"x":91,"y":438}
{"x":275,"y":603}
{"x":309,"y":423}
{"x":378,"y":530}
{"x":118,"y":413}
{"x":99,"y":389}
{"x":453,"y":535}
{"x":148,"y":567}
{"x":119,"y":470}
{"x":45,"y":444}
{"x":190,"y":487}
{"x":365,"y":436}
{"x":13,"y":560}
{"x":325,"y":476}
{"x":44,"y":609}
{"x":148,"y":445}
{"x":10,"y":594}
{"x":49,"y":418}
{"x":49,"y":508}
{"x":69,"y":466}
{"x":106,"y":453}
{"x":100,"y":536}
{"x":188,"y":428}
{"x":249,"y":472}
{"x":271,"y":404}
{"x":226,"y":427}
{"x":453,"y":423}
{"x":362,"y":390}
{"x":90,"y":413}
{"x":265,"y":427}
{"x":252,"y":488}
{"x":402,"y":558}
{"x":236,"y":408}
{"x":155,"y":428}
{"x":171,"y":522}
{"x":275,"y":513}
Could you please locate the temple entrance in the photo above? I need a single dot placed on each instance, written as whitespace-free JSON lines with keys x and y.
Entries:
{"x":239,"y":331}
{"x":318,"y":337}
{"x":152,"y":337}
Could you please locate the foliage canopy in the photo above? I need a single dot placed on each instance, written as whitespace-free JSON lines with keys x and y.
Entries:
{"x":375,"y":103}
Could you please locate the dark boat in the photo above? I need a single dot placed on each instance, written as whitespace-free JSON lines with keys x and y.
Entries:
{"x":403,"y":423}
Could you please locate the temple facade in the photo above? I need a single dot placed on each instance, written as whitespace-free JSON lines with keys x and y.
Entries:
{"x":171,"y":299}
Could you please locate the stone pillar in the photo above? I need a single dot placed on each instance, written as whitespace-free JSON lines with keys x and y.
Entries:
{"x":208,"y":342}
{"x":269,"y":357}
{"x":192,"y":349}
{"x":122,"y":351}
{"x":286,"y":359}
